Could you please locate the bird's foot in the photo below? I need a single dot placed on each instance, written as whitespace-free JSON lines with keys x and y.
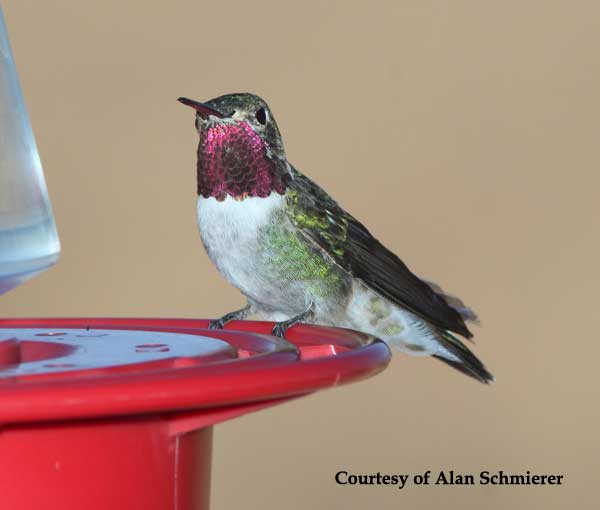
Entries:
{"x":279,"y":330}
{"x":231,"y":316}
{"x":281,"y":327}
{"x":216,"y":324}
{"x":281,"y":343}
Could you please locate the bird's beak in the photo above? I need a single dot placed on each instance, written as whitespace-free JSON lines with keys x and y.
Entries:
{"x":203,"y":109}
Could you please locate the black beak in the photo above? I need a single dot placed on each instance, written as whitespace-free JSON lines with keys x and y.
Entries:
{"x":203,"y":109}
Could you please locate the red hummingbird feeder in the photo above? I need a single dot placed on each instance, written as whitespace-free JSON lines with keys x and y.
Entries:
{"x":118,"y":413}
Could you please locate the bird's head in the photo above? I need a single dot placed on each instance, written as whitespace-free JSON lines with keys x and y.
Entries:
{"x":240,"y":153}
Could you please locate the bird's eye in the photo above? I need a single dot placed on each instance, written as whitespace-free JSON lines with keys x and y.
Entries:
{"x":261,"y":116}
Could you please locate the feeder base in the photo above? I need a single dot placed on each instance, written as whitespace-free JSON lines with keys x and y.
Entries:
{"x":135,"y":464}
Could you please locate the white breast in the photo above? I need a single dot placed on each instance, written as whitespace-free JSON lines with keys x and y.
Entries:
{"x":229,"y":230}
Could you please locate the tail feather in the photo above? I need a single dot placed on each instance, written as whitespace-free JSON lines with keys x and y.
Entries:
{"x":454,"y":302}
{"x":369,"y":312}
{"x":463,"y":359}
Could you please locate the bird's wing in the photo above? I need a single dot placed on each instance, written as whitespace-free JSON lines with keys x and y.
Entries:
{"x":352,"y":247}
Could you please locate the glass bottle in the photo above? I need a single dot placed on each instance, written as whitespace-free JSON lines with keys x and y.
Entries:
{"x":28,"y":240}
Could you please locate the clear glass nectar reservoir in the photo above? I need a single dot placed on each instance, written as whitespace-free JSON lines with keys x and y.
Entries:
{"x":28,"y":239}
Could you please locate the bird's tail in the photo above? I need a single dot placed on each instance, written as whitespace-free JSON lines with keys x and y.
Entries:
{"x":454,"y":302}
{"x":460,"y":357}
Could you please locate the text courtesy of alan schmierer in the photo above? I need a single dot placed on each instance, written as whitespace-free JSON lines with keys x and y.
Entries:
{"x":449,"y":477}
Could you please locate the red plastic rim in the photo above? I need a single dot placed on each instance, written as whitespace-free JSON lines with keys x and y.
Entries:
{"x":250,"y":368}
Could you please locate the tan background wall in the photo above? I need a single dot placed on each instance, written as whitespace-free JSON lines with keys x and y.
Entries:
{"x":464,"y":133}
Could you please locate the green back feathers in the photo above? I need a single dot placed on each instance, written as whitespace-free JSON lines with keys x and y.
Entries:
{"x":347,"y":243}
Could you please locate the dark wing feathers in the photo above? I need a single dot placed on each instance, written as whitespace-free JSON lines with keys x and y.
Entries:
{"x":345,"y":240}
{"x":386,"y":274}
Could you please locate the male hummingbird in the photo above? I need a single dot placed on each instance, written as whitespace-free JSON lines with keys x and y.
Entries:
{"x":298,"y":256}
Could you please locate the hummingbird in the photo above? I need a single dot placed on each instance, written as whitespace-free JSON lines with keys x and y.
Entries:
{"x":297,"y":255}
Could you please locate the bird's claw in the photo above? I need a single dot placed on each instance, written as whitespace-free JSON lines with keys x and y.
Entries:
{"x":216,"y":324}
{"x":281,"y":343}
{"x":279,"y":330}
